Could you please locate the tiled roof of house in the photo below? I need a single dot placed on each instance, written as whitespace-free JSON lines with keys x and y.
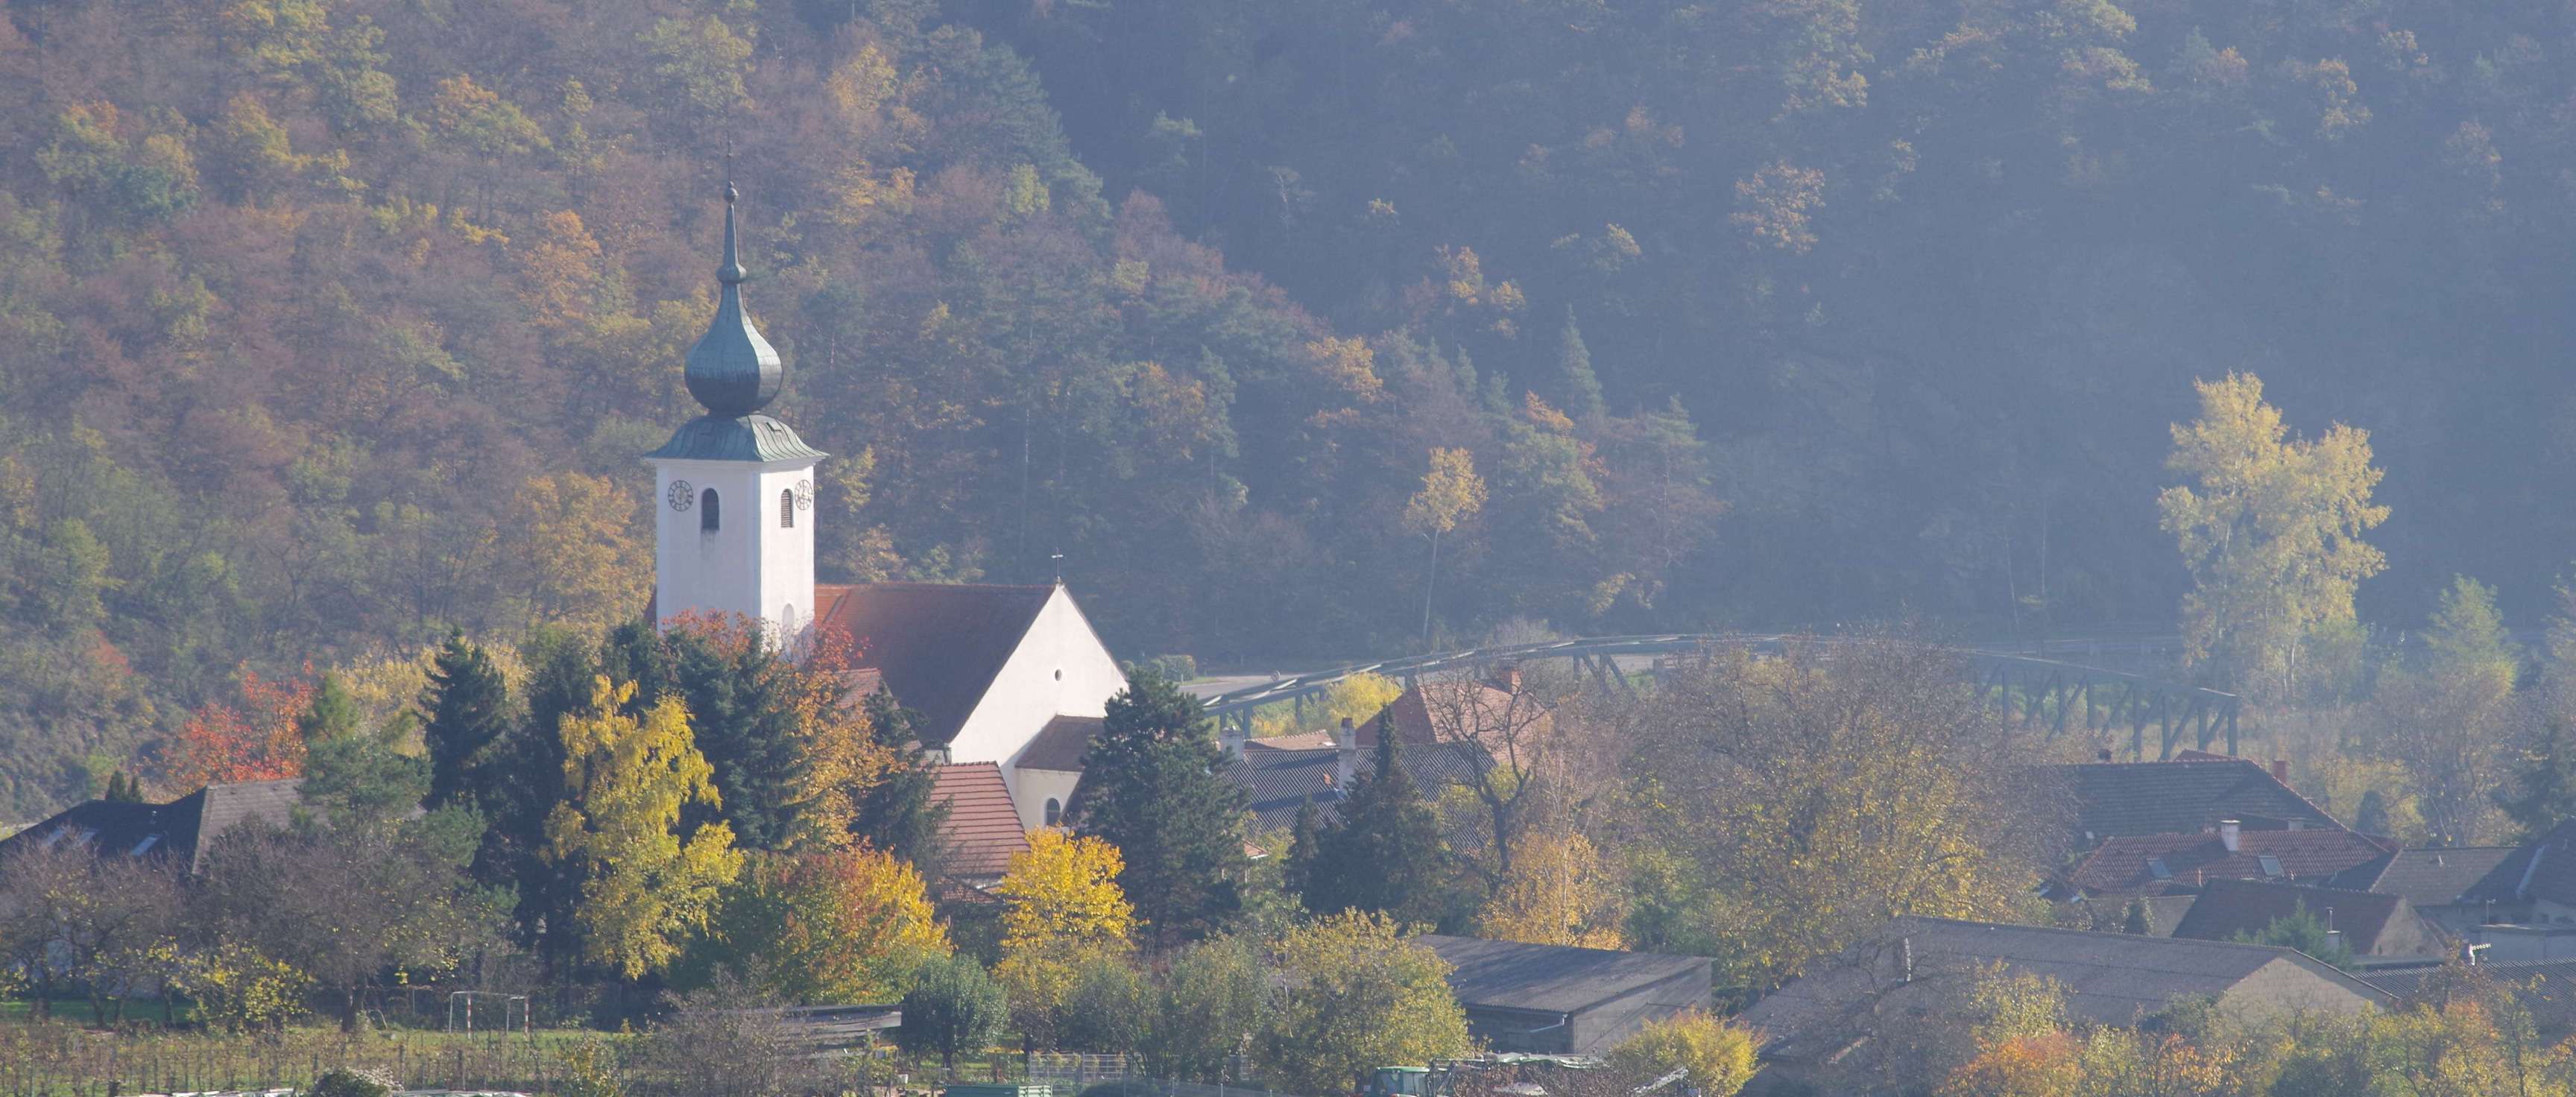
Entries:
{"x":1443,"y":710}
{"x":2160,"y":863}
{"x":2126,"y":799}
{"x":2110,"y":978}
{"x":2426,"y":877}
{"x":938,"y":646}
{"x":1552,"y":978}
{"x":983,"y":828}
{"x":1276,"y":781}
{"x":181,"y":829}
{"x":2542,"y":868}
{"x":2372,"y":925}
{"x":1061,"y":744}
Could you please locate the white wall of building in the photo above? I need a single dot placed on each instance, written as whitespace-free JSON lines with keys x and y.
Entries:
{"x":1032,"y":788}
{"x":749,"y":564}
{"x":1060,"y":669}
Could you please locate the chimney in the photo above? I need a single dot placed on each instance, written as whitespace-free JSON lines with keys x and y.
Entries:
{"x":1232,"y":736}
{"x":2229,"y":834}
{"x":1346,"y":756}
{"x":1508,"y":677}
{"x":2102,"y":755}
{"x":1906,"y":957}
{"x":2281,"y":770}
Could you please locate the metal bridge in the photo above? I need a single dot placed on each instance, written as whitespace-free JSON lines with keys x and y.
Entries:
{"x":2028,"y":691}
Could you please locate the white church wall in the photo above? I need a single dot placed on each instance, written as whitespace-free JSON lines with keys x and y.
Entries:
{"x":1059,"y":669}
{"x":1032,"y":788}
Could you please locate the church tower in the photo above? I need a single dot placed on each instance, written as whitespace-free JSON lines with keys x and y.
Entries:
{"x":734,"y":489}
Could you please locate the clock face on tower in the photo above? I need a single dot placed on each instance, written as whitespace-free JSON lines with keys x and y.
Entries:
{"x":804,"y":494}
{"x":681,"y":495}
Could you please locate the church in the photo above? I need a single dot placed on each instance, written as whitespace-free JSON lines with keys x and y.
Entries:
{"x":1010,"y":681}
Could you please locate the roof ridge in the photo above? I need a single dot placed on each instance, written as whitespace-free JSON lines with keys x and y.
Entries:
{"x":2130,"y":937}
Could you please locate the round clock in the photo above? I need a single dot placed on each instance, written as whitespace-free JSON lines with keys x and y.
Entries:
{"x":804,"y":494}
{"x":681,"y":495}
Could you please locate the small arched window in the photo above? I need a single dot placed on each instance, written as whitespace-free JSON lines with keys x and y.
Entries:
{"x":1054,"y":810}
{"x":710,"y":516}
{"x":787,"y":510}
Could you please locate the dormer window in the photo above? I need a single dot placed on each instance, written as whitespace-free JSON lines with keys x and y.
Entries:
{"x":710,"y":516}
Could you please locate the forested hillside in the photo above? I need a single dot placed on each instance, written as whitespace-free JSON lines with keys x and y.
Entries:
{"x":329,"y":326}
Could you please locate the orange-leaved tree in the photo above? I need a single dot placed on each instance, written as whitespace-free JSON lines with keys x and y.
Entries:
{"x":255,"y":740}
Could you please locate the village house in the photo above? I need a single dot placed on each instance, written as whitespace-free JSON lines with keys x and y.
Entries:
{"x":177,"y":833}
{"x":2436,"y":882}
{"x":2368,"y":924}
{"x":2185,"y":796}
{"x":1876,"y":1010}
{"x":2169,"y":864}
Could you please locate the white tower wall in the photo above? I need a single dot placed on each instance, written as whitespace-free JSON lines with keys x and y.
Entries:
{"x":750,"y":563}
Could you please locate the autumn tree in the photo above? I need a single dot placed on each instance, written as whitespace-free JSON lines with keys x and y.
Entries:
{"x":1561,"y":891}
{"x":1823,"y":790}
{"x":2455,"y":724}
{"x":823,"y":926}
{"x":2270,"y":529}
{"x":1451,"y":493}
{"x":1062,"y":909}
{"x":1354,"y":995}
{"x":580,"y":560}
{"x":1212,"y":997}
{"x":646,"y":882}
{"x":1155,"y":791}
{"x":254,"y":741}
{"x":1716,"y":1058}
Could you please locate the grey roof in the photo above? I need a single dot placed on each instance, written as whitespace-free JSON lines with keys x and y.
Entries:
{"x":2542,"y":868}
{"x":2129,"y":799}
{"x":180,"y":830}
{"x":1551,"y":978}
{"x":2109,"y":978}
{"x":2372,"y":924}
{"x":1276,"y":781}
{"x":2426,"y":877}
{"x":939,"y":645}
{"x":748,"y":438}
{"x":2545,"y":987}
{"x":1060,"y":745}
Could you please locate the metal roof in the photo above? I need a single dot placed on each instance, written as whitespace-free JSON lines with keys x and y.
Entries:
{"x":748,"y":438}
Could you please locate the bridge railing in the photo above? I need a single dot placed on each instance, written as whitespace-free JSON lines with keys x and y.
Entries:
{"x":2027,"y":689}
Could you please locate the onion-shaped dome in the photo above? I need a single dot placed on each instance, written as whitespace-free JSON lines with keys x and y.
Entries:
{"x":733,"y":371}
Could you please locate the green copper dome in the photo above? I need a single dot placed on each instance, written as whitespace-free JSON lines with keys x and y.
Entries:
{"x":733,"y":371}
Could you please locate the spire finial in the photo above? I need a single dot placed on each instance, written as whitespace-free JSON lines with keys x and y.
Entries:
{"x":731,"y":273}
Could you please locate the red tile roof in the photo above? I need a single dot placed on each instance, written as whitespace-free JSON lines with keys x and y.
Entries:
{"x":2121,"y":866}
{"x":1442,"y":711}
{"x":983,"y":829}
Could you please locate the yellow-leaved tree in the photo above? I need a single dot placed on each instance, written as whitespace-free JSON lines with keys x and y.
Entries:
{"x":1354,"y":995}
{"x":1715,"y":1057}
{"x":1451,"y":493}
{"x":827,"y":925}
{"x":1560,"y":891}
{"x":2270,"y":529}
{"x":1063,"y":909}
{"x":646,"y":884}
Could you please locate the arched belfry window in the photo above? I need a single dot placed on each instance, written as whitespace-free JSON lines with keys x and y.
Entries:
{"x":1054,"y":810}
{"x":787,"y":510}
{"x":710,"y":518}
